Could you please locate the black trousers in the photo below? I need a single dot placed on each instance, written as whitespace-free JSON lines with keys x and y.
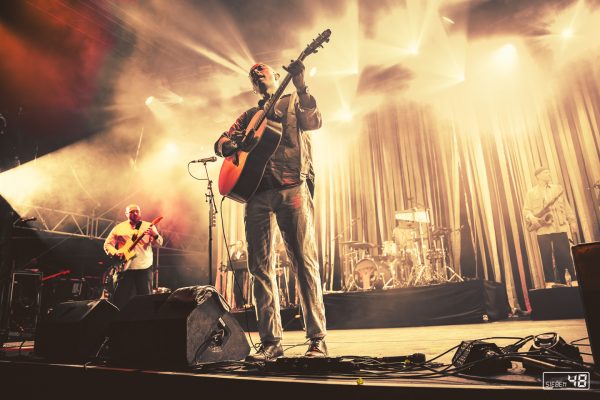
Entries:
{"x":131,"y":283}
{"x":239,"y":283}
{"x":556,"y":245}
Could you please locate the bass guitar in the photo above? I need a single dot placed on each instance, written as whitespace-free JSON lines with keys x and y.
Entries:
{"x":242,"y":171}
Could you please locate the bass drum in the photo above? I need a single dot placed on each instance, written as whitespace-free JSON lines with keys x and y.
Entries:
{"x":365,"y":273}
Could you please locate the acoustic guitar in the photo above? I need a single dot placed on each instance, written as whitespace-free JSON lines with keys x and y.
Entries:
{"x":242,"y":171}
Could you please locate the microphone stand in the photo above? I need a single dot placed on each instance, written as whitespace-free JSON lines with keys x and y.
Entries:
{"x":212,"y":221}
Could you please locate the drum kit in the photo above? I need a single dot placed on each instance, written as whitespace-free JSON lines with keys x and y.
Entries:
{"x":417,"y":255}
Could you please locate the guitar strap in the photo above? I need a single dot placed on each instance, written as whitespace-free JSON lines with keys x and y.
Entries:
{"x":137,"y":230}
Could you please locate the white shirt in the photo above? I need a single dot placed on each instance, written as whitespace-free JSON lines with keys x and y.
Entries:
{"x":123,"y":232}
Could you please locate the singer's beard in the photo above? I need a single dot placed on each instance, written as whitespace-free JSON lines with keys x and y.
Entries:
{"x":266,"y":91}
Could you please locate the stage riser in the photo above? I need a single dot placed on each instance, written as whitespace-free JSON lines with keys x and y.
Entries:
{"x":556,"y":303}
{"x":445,"y":304}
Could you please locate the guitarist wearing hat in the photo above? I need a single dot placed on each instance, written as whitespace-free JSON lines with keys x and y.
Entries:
{"x":130,"y":242}
{"x":549,"y":215}
{"x":283,"y":196}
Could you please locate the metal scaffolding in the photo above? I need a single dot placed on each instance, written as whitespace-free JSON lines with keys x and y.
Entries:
{"x":89,"y":226}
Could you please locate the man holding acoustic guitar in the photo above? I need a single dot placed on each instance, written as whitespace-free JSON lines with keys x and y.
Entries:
{"x":130,"y":243}
{"x":548,"y":213}
{"x":283,"y":194}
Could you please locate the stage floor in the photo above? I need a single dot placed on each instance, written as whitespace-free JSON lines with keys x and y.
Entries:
{"x":431,"y":341}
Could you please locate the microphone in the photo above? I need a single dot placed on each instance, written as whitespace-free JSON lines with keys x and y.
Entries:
{"x":28,"y":219}
{"x":205,"y":160}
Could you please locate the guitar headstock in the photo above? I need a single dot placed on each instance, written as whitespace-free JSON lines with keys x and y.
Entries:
{"x":313,"y":47}
{"x":156,"y":220}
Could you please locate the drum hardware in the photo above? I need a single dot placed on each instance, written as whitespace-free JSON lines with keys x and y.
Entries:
{"x":387,"y":276}
{"x":441,"y":235}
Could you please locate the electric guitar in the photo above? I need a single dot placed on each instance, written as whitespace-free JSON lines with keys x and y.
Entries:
{"x":242,"y":171}
{"x":126,"y":253}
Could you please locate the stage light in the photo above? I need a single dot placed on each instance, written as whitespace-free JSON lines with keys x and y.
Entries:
{"x":171,"y":148}
{"x":149,"y":100}
{"x":506,"y":56}
{"x":567,"y":33}
{"x":414,"y":49}
{"x":345,"y":115}
{"x":313,"y":71}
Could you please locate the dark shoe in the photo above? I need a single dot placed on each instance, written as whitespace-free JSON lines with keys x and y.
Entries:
{"x":316,"y":348}
{"x":267,"y":351}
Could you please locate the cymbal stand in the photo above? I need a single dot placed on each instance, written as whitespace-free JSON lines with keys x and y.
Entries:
{"x":437,"y":258}
{"x":392,"y":282}
{"x":454,"y":277}
{"x":349,"y":281}
{"x":419,"y":272}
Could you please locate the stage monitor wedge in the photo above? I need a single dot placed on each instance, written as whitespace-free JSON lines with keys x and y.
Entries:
{"x":74,"y":330}
{"x":587,"y":266}
{"x":176,"y":330}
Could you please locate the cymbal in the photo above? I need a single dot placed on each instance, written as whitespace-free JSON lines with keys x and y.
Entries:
{"x":363,"y":245}
{"x":349,"y":242}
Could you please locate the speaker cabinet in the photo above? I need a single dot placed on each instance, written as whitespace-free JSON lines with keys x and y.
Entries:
{"x":74,"y":330}
{"x":25,"y":302}
{"x":175,"y":330}
{"x":587,"y":266}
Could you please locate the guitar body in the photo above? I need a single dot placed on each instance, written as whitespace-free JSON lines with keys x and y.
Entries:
{"x":127,"y":250}
{"x":241,"y":173}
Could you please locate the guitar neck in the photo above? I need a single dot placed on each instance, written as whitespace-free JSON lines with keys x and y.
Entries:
{"x":140,"y":237}
{"x":547,"y":206}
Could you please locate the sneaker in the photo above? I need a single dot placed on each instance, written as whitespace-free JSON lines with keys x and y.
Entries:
{"x":316,"y":348}
{"x":268,"y":351}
